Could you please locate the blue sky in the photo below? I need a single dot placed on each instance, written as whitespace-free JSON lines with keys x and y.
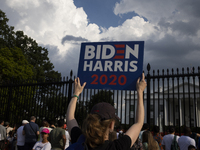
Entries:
{"x":101,"y":12}
{"x":170,"y":29}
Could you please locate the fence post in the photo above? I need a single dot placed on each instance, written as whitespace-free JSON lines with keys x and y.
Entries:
{"x":70,"y":88}
{"x":9,"y":102}
{"x":148,"y":94}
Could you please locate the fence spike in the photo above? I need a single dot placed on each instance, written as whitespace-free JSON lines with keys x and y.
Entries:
{"x":71,"y":73}
{"x":188,"y":70}
{"x":193,"y":69}
{"x":148,"y":67}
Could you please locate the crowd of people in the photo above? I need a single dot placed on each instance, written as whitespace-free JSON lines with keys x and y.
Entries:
{"x":97,"y":131}
{"x":30,"y":137}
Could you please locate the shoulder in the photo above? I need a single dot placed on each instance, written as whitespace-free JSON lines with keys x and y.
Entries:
{"x":123,"y":142}
{"x":75,"y":133}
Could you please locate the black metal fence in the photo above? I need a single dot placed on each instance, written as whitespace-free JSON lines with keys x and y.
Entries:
{"x":171,"y":98}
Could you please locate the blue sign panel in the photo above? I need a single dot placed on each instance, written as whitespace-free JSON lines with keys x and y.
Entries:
{"x":111,"y":65}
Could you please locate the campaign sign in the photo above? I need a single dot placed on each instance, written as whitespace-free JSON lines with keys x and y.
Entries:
{"x":111,"y":65}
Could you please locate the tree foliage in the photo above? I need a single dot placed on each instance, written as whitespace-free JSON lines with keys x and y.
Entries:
{"x":35,"y":55}
{"x":14,"y":65}
{"x":101,"y":96}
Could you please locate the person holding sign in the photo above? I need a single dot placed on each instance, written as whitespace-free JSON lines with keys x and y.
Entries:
{"x":101,"y":121}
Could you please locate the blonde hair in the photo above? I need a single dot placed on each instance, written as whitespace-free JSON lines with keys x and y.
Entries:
{"x":94,"y":130}
{"x":148,"y":138}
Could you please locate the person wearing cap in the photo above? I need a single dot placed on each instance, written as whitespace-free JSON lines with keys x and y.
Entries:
{"x":57,"y":137}
{"x":101,"y":121}
{"x":20,"y":136}
{"x":44,"y":144}
{"x":8,"y":128}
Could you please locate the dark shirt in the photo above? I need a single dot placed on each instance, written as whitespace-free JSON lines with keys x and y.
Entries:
{"x":123,"y":143}
{"x":30,"y":133}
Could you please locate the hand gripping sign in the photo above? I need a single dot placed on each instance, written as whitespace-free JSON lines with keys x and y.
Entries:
{"x":111,"y":65}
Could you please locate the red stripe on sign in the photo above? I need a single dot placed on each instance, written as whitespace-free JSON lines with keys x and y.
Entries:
{"x":120,"y":46}
{"x":120,"y":51}
{"x":118,"y":57}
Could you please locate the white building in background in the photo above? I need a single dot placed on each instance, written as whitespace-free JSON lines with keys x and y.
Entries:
{"x":166,"y":105}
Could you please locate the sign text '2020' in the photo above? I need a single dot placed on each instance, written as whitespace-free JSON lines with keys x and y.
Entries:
{"x":110,"y":80}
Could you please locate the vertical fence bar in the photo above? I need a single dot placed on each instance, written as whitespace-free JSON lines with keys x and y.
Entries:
{"x":179,"y":107}
{"x":148,"y":93}
{"x":70,"y":88}
{"x":163,"y":95}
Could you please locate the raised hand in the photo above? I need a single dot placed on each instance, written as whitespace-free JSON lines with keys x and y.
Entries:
{"x":77,"y":86}
{"x":141,"y":84}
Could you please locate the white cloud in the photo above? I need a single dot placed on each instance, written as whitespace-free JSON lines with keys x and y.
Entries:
{"x":48,"y":21}
{"x":132,"y":29}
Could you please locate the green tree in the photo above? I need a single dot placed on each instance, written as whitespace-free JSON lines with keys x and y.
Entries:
{"x":7,"y":38}
{"x":14,"y":65}
{"x":36,"y":56}
{"x":101,"y":96}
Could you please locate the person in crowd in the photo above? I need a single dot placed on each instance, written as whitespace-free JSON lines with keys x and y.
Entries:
{"x":57,"y":137}
{"x":185,"y":140}
{"x":52,"y":124}
{"x":68,"y":138}
{"x":168,"y":139}
{"x":145,"y":127}
{"x":31,"y":132}
{"x":101,"y":121}
{"x":45,"y":124}
{"x":120,"y":132}
{"x":44,"y":144}
{"x":195,"y":136}
{"x":14,"y":134}
{"x":137,"y":145}
{"x":148,"y":142}
{"x":10,"y":138}
{"x":20,"y":136}
{"x":191,"y":147}
{"x":157,"y":136}
{"x":3,"y":136}
{"x":8,"y":128}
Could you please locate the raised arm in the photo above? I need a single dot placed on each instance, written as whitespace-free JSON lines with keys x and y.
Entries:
{"x":134,"y":130}
{"x":71,"y":121}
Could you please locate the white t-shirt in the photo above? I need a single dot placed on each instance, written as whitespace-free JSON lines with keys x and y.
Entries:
{"x":67,"y":139}
{"x":41,"y":128}
{"x":20,"y":136}
{"x":42,"y":146}
{"x":167,"y":141}
{"x":185,"y":141}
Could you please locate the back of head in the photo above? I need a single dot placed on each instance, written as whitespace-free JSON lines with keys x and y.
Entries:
{"x":191,"y":147}
{"x":94,"y":129}
{"x":171,"y":129}
{"x":156,"y":129}
{"x":148,"y":138}
{"x":145,"y":126}
{"x":186,"y":131}
{"x":97,"y":123}
{"x":32,"y":118}
{"x":1,"y":121}
{"x":45,"y":124}
{"x":60,"y":123}
{"x":6,"y":123}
